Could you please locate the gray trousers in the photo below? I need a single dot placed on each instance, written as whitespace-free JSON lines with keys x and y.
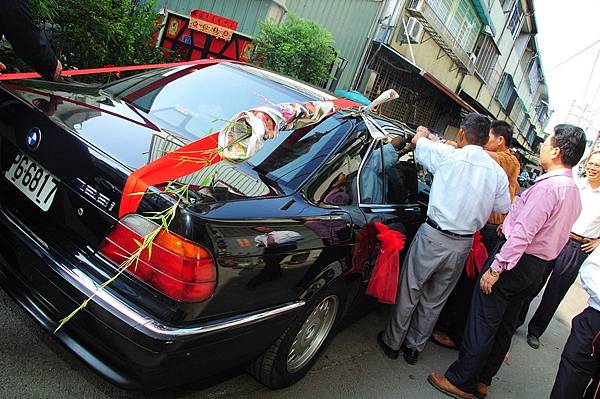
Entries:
{"x":430,"y":271}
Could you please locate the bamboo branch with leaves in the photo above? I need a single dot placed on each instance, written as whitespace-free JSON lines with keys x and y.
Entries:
{"x":235,"y":148}
{"x":163,"y":220}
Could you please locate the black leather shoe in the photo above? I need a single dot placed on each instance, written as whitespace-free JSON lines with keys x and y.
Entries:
{"x":533,"y":341}
{"x":389,"y":352}
{"x":410,"y":355}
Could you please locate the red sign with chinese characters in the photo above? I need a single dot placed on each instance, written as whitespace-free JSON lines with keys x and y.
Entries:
{"x":181,"y":38}
{"x":212,"y":24}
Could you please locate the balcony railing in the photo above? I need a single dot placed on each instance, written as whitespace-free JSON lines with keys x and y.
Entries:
{"x":421,"y":9}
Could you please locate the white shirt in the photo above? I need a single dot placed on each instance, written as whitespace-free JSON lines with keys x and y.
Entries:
{"x":588,"y":222}
{"x":590,"y":278}
{"x":467,"y":185}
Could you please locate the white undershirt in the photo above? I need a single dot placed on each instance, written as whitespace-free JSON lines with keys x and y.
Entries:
{"x":588,"y":222}
{"x":590,"y":278}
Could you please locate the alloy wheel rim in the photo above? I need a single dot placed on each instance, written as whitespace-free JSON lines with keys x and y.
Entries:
{"x":312,"y":334}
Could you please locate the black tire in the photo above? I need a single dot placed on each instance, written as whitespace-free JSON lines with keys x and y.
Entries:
{"x":271,"y":368}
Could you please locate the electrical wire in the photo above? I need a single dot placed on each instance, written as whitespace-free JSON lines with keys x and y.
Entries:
{"x":587,"y":86}
{"x":595,"y":95}
{"x":573,"y":56}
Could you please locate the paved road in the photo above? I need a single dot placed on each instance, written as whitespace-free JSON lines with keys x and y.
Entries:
{"x":32,"y":365}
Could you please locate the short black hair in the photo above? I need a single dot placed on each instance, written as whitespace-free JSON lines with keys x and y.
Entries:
{"x":477,"y":128}
{"x":571,"y":140}
{"x":502,"y":128}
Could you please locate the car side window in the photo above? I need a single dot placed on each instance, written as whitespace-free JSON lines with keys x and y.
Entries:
{"x":371,"y":177}
{"x":402,"y":178}
{"x":336,"y":185}
{"x":389,"y":176}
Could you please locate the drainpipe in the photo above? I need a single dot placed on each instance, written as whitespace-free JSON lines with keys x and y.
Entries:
{"x":359,"y":72}
{"x":280,"y":4}
{"x":412,"y":55}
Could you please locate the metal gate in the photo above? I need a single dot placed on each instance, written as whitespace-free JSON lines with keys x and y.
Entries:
{"x":420,"y":102}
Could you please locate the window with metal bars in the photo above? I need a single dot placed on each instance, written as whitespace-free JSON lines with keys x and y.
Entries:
{"x":515,"y":19}
{"x":421,"y":103}
{"x":520,"y":117}
{"x":534,"y":76}
{"x":531,"y":135}
{"x":487,"y":55}
{"x":542,"y":112}
{"x":505,"y":92}
{"x":461,"y":20}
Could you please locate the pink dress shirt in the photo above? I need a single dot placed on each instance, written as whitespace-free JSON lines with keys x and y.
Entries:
{"x":540,"y":220}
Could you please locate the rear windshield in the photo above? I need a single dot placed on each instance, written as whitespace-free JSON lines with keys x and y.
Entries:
{"x":196,"y":102}
{"x":293,"y":156}
{"x":281,"y":166}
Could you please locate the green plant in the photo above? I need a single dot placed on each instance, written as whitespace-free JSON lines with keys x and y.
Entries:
{"x":298,"y":47}
{"x":95,"y":33}
{"x":44,"y":10}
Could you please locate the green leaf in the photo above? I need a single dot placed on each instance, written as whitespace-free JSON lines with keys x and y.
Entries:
{"x":298,"y":47}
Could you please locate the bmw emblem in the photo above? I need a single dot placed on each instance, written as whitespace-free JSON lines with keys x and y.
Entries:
{"x":34,"y":138}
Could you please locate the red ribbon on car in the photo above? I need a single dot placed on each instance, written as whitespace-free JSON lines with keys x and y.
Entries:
{"x":477,"y":257}
{"x":109,"y":69}
{"x":383,"y":284}
{"x":178,"y":163}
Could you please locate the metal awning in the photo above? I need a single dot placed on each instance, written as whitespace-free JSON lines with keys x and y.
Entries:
{"x":430,"y":78}
{"x":484,"y":14}
{"x":442,"y":87}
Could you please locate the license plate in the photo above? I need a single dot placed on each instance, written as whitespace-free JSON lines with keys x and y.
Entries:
{"x":33,"y":180}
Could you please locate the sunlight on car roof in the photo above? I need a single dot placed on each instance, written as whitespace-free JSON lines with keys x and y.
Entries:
{"x":287,"y":81}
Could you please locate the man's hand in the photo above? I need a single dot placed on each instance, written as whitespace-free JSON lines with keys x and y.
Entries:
{"x":422,"y":131}
{"x":589,"y":246}
{"x":499,"y":229}
{"x":58,"y":70}
{"x":487,"y":282}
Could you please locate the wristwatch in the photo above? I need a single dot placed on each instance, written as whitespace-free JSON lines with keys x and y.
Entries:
{"x":494,"y":273}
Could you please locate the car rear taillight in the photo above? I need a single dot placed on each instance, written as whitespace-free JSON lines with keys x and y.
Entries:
{"x":179,"y":268}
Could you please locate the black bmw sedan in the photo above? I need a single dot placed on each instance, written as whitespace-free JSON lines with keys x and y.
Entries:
{"x":257,"y":269}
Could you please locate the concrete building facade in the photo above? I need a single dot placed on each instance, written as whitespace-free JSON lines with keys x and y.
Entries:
{"x":480,"y":52}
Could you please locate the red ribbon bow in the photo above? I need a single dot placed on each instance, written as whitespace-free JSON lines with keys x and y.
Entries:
{"x":383,"y":284}
{"x":181,"y":162}
{"x":477,"y":257}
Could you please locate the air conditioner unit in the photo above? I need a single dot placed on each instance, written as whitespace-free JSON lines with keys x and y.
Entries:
{"x":414,"y":31}
{"x":472,"y":57}
{"x":367,"y":81}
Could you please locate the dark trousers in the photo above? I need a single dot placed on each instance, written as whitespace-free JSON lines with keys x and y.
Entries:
{"x":453,"y":318}
{"x":580,"y":360}
{"x":492,"y":322}
{"x":562,"y":275}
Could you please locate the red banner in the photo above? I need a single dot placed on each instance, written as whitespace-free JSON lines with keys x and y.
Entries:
{"x":212,"y":24}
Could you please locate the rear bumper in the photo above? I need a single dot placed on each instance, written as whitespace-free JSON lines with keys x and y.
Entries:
{"x":117,"y":340}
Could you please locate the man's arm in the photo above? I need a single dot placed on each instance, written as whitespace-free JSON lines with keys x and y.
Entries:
{"x":427,"y":152}
{"x":27,"y":40}
{"x":532,"y":217}
{"x":502,"y":199}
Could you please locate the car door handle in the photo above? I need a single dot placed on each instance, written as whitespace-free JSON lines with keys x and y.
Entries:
{"x":412,"y":209}
{"x":382,"y":210}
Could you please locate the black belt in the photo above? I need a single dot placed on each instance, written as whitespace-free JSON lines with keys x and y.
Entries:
{"x":436,"y":226}
{"x":580,"y":239}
